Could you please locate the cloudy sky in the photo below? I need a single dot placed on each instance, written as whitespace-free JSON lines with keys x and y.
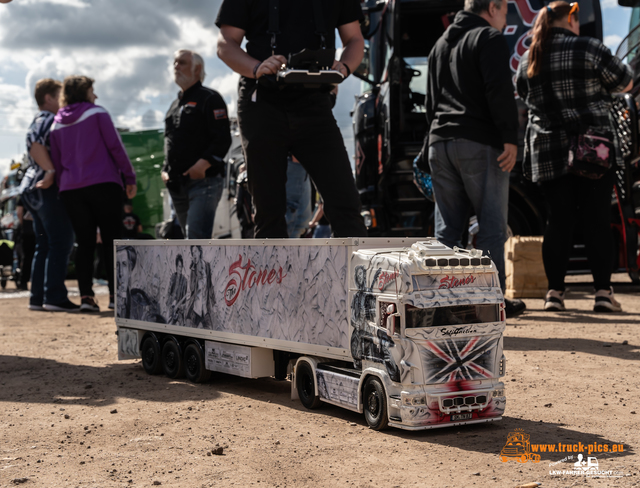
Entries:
{"x":127,"y":47}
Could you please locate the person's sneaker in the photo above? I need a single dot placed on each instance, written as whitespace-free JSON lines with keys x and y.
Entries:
{"x":554,"y":302}
{"x":89,"y":304}
{"x":67,"y":306}
{"x":112,"y":303}
{"x":36,"y":308}
{"x":606,"y":302}
{"x":513,"y":308}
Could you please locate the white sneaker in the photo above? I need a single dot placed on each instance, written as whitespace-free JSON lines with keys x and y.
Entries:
{"x":606,"y":302}
{"x":554,"y":301}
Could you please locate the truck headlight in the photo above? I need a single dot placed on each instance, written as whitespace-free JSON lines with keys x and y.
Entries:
{"x":412,"y":400}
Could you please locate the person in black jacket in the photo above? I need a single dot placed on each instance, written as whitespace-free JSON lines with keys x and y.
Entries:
{"x":197,"y":138}
{"x":473,"y":120}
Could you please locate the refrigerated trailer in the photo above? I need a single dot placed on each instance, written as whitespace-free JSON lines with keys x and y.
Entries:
{"x":407,"y":332}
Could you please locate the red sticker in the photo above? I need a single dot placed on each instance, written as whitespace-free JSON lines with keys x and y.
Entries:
{"x":220,"y":114}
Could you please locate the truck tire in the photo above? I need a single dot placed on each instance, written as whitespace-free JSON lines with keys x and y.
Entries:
{"x":195,"y":369}
{"x":151,"y":355}
{"x":306,"y":386}
{"x":172,"y":360}
{"x":375,"y":404}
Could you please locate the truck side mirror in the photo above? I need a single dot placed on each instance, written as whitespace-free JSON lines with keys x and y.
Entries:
{"x":391,"y":319}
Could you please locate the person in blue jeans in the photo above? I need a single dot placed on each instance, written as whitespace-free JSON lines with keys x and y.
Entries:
{"x":197,"y":138}
{"x":473,"y":130}
{"x":298,"y":198}
{"x":51,"y":223}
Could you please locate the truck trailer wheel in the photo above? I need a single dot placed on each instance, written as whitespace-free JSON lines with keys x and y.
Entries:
{"x":172,"y":361}
{"x":151,"y":355}
{"x":195,"y":369}
{"x":306,"y":386}
{"x":375,"y":404}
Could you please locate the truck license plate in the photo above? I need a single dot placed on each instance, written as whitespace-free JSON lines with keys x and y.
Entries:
{"x":461,"y":416}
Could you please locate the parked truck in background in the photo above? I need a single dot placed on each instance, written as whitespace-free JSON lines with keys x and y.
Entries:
{"x":408,"y":333}
{"x":152,"y":202}
{"x":390,"y":124}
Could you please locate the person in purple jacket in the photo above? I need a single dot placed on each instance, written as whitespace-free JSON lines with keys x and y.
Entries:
{"x":91,"y":164}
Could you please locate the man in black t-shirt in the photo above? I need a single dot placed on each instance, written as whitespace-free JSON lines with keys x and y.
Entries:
{"x":275,"y":122}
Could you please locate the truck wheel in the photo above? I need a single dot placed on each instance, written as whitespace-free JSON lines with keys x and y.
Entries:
{"x":375,"y":404}
{"x":195,"y":369}
{"x":151,"y":355}
{"x":306,"y":386}
{"x":172,"y":361}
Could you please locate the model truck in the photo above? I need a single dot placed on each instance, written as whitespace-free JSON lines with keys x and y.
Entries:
{"x":407,"y":332}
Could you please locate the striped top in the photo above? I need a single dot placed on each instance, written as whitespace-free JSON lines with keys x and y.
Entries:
{"x":39,"y":131}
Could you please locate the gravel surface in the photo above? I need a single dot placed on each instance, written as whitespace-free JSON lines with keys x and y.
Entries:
{"x":72,"y":415}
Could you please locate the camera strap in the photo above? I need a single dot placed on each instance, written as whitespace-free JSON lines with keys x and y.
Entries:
{"x":274,"y":23}
{"x":319,"y":18}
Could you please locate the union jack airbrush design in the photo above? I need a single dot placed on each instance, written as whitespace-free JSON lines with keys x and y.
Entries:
{"x":461,"y":358}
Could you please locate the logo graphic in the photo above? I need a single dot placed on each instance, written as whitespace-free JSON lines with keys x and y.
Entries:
{"x":518,"y":448}
{"x":452,"y":282}
{"x":591,"y":464}
{"x":246,"y":277}
{"x":387,"y":278}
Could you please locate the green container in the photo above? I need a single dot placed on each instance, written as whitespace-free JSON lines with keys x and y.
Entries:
{"x":146,"y":151}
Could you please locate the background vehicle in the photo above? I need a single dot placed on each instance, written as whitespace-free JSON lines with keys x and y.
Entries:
{"x":389,"y":120}
{"x":152,"y":202}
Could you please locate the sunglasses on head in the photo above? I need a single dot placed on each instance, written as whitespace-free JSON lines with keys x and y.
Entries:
{"x":575,"y":8}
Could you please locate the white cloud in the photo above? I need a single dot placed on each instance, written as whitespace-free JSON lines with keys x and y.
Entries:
{"x":609,"y":4}
{"x":612,"y":42}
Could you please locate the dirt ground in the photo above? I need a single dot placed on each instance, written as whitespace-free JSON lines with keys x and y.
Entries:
{"x":72,"y":415}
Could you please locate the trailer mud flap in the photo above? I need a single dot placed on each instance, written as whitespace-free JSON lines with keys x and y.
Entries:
{"x":129,"y":343}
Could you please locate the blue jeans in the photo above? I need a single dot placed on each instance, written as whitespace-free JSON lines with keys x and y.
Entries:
{"x":195,"y":202}
{"x":54,"y":242}
{"x":467,"y":179}
{"x":298,"y":199}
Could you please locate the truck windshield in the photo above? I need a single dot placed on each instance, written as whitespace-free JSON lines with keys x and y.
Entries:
{"x":418,"y":83}
{"x":454,"y":315}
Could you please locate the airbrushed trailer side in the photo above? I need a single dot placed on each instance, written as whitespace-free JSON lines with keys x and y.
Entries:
{"x":407,"y":332}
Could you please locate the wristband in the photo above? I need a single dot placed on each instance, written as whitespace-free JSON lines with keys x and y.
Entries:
{"x":255,"y":69}
{"x":348,"y":70}
{"x":49,"y":171}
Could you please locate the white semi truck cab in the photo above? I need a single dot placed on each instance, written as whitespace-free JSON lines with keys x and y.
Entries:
{"x":407,"y":332}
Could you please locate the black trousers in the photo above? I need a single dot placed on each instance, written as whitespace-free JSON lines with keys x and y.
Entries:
{"x":307,"y":129}
{"x":89,"y":208}
{"x":573,"y":200}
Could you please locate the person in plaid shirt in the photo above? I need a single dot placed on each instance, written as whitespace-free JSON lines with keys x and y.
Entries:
{"x":566,"y":81}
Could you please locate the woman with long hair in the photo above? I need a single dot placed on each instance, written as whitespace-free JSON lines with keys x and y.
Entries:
{"x":566,"y":81}
{"x":91,"y":164}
